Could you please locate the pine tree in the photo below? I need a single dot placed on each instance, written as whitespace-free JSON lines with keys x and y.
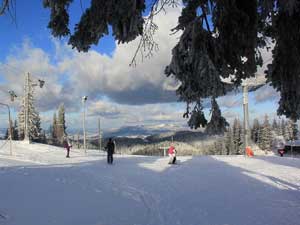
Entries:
{"x":295,"y":131}
{"x":291,"y":131}
{"x":6,"y":134}
{"x":43,"y":138}
{"x":217,"y":123}
{"x":61,"y":123}
{"x":265,"y":135}
{"x":287,"y":131}
{"x":255,"y":130}
{"x":237,"y":137}
{"x":54,"y":127}
{"x":34,"y":128}
{"x":229,"y":144}
{"x":282,"y":128}
{"x":15,"y":131}
{"x":275,"y":126}
{"x":216,"y":37}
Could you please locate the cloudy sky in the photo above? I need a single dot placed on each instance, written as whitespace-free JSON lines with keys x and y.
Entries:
{"x":117,"y":93}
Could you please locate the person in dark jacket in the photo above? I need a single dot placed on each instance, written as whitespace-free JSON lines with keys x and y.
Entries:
{"x":110,"y":147}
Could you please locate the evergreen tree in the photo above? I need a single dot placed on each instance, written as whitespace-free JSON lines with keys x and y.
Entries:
{"x":291,"y":131}
{"x":50,"y":130}
{"x":6,"y":134}
{"x":217,"y":123}
{"x":61,"y":123}
{"x":54,"y":127}
{"x":255,"y":130}
{"x":295,"y":131}
{"x":34,"y":128}
{"x":287,"y":131}
{"x":265,"y":135}
{"x":15,"y":131}
{"x":216,"y":38}
{"x":237,"y":137}
{"x":275,"y":126}
{"x":282,"y":128}
{"x":43,"y":138}
{"x":229,"y":144}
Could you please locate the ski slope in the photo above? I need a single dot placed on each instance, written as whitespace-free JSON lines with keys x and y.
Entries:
{"x":39,"y":186}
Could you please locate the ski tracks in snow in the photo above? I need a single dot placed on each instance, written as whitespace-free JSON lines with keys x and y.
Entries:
{"x":150,"y":201}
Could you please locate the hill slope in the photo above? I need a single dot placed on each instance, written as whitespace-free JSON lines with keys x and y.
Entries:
{"x":40,"y":186}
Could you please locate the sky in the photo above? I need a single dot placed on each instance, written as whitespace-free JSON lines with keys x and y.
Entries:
{"x":118,"y":94}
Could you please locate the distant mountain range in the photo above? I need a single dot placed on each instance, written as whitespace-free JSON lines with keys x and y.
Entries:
{"x":133,"y":131}
{"x":136,"y":131}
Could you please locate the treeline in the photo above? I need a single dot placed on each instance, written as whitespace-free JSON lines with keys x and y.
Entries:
{"x":37,"y":134}
{"x":57,"y":130}
{"x":261,"y":133}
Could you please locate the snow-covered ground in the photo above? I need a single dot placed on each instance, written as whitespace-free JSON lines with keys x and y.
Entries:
{"x":39,"y":186}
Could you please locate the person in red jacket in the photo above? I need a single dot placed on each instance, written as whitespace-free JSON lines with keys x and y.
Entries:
{"x":172,"y":154}
{"x":67,"y":145}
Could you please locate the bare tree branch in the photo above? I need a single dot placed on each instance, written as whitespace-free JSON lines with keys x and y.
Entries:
{"x":4,"y":7}
{"x":147,"y":44}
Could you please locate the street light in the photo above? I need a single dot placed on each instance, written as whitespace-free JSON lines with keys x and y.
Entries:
{"x":84,"y":99}
{"x":12,"y":95}
{"x":9,"y":122}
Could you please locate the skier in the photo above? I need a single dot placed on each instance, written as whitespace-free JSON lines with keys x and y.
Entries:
{"x":67,"y":145}
{"x":110,"y":147}
{"x":172,"y":154}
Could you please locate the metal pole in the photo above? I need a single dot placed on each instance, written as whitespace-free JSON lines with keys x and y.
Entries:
{"x":99,"y":129}
{"x":10,"y":133}
{"x":246,"y":116}
{"x":78,"y":144}
{"x":84,"y":134}
{"x":26,"y":110}
{"x":292,"y":144}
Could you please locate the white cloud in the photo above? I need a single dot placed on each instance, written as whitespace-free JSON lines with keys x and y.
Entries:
{"x":94,"y":73}
{"x":266,"y":93}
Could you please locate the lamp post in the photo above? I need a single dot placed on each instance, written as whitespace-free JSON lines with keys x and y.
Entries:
{"x":100,"y":135}
{"x":9,"y":122}
{"x":84,"y":98}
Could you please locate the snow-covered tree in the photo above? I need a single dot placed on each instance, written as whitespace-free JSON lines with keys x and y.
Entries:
{"x":282,"y":128}
{"x":265,"y":136}
{"x":54,"y":127}
{"x":28,"y":108}
{"x":255,"y":130}
{"x":229,"y":144}
{"x":275,"y":126}
{"x":291,"y":130}
{"x":217,"y":123}
{"x":217,"y":37}
{"x":15,"y":131}
{"x":61,"y":123}
{"x":237,"y":136}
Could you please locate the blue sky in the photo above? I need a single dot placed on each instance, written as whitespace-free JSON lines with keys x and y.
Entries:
{"x":119,"y":94}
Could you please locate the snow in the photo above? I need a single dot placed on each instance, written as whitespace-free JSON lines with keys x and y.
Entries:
{"x":38,"y":185}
